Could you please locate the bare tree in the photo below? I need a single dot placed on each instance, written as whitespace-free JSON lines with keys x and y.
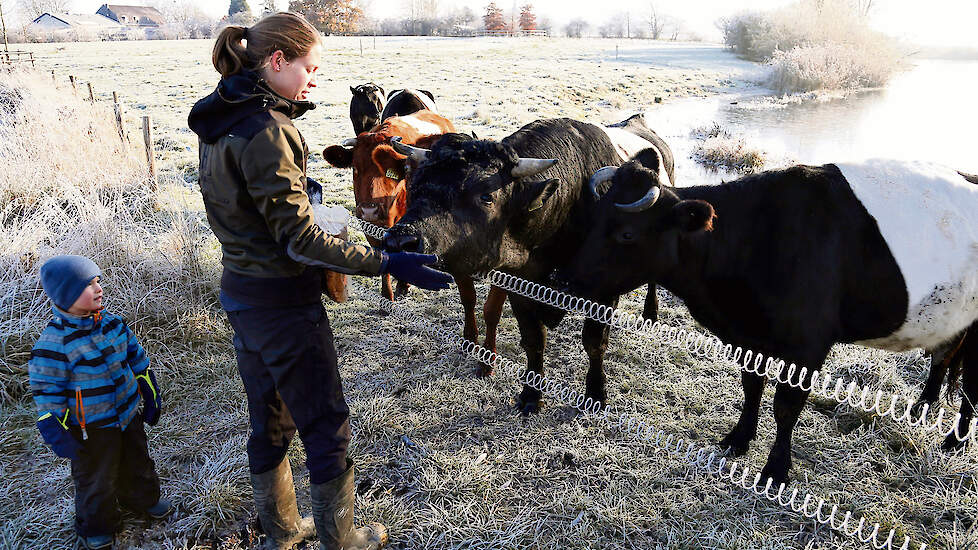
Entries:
{"x":31,"y":9}
{"x":614,"y":27}
{"x":656,"y":22}
{"x":577,"y":27}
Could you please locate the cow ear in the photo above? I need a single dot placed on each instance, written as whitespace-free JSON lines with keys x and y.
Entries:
{"x":539,"y":192}
{"x":391,"y":163}
{"x":381,"y":90}
{"x":649,"y":158}
{"x":353,"y":90}
{"x":693,"y":215}
{"x":427,"y":93}
{"x":338,"y":156}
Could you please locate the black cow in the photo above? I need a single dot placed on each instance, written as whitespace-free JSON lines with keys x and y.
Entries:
{"x":406,"y":102}
{"x":482,"y":205}
{"x":366,"y":106}
{"x":790,"y":262}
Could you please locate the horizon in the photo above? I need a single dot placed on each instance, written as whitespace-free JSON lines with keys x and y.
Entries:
{"x":944,"y":24}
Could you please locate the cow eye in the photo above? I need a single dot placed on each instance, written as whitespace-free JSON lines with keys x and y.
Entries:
{"x":486,"y":198}
{"x":626,"y":236}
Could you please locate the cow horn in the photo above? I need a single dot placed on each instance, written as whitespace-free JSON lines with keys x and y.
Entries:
{"x":599,"y":177}
{"x":527,"y":167}
{"x":643,"y":203}
{"x":416,"y":154}
{"x":349,"y":142}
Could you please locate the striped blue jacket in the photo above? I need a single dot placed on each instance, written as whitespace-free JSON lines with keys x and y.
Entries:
{"x":96,"y":360}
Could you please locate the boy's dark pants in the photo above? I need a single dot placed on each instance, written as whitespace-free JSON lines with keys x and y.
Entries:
{"x":287,"y":363}
{"x":113,"y":468}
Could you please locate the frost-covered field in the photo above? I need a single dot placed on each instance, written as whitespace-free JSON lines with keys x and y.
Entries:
{"x":444,"y":460}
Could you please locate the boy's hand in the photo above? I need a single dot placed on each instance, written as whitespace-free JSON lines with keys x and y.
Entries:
{"x":55,"y":433}
{"x":152,"y":398}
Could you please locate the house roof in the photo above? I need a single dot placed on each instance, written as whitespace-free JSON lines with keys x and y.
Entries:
{"x":81,"y":19}
{"x":139,"y":12}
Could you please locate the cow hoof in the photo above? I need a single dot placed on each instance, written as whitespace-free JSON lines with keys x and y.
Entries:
{"x":951,"y":443}
{"x":483,"y":371}
{"x":918,"y":408}
{"x":777,"y":473}
{"x":601,"y":399}
{"x":527,"y":408}
{"x":734,"y":444}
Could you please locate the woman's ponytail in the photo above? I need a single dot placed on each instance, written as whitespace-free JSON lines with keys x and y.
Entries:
{"x":230,"y":55}
{"x":286,"y":31}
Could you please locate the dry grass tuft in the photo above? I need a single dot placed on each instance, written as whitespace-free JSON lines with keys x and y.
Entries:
{"x":718,"y":148}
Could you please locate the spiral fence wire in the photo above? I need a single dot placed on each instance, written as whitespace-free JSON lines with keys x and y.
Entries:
{"x":710,"y":461}
{"x":898,"y":407}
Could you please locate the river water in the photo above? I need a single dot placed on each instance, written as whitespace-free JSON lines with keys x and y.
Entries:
{"x":929,"y":112}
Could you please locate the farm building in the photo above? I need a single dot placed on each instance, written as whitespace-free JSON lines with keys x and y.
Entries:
{"x":82,"y":24}
{"x":133,"y":16}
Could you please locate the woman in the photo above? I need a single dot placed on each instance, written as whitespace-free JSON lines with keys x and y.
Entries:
{"x":252,"y":177}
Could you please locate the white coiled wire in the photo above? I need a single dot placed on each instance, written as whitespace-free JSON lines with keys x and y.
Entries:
{"x":710,"y":347}
{"x":809,"y":505}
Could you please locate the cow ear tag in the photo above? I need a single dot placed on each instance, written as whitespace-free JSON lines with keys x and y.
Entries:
{"x":392,"y":174}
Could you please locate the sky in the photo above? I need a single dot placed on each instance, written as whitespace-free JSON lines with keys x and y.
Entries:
{"x":937,"y":22}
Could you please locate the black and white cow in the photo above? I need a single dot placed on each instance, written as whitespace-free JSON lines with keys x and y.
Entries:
{"x":520,"y":205}
{"x":790,"y":262}
{"x":406,"y":102}
{"x":366,"y":106}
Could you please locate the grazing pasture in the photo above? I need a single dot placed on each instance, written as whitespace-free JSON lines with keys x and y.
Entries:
{"x":443,"y":458}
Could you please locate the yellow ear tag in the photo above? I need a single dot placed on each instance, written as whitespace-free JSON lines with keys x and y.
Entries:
{"x":392,"y":174}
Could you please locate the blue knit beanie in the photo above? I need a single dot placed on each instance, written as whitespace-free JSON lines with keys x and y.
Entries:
{"x":64,"y":278}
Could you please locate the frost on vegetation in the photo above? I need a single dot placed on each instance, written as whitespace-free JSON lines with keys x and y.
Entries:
{"x":69,"y":185}
{"x":718,"y":148}
{"x":814,"y":45}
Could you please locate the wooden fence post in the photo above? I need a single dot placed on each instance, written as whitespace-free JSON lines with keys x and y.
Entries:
{"x":91,"y":94}
{"x":33,"y":66}
{"x":150,"y":153}
{"x":118,"y":117}
{"x":74,"y":87}
{"x":53,"y":79}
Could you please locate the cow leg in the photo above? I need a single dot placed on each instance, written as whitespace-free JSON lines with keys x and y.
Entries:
{"x":941,"y":359}
{"x":595,"y":338}
{"x":385,"y":287}
{"x":788,"y":403}
{"x":969,"y":392}
{"x":401,"y":291}
{"x":651,"y":309}
{"x":739,"y":438}
{"x":533,"y":338}
{"x":466,"y":294}
{"x":492,"y":311}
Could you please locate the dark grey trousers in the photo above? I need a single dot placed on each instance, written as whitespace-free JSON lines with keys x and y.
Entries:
{"x":287,"y":363}
{"x":113,"y":468}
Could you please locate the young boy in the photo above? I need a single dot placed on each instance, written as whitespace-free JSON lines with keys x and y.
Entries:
{"x":87,"y":372}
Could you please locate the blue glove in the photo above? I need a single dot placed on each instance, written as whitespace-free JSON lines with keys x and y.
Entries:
{"x":412,"y":268}
{"x":152,"y":397}
{"x":55,"y":433}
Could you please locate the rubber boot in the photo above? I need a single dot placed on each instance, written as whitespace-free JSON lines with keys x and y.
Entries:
{"x":278,"y":513}
{"x":332,"y":510}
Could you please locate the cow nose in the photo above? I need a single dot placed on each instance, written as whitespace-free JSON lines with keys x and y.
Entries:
{"x":402,"y":243}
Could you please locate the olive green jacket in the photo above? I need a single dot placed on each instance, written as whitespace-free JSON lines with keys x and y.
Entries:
{"x":253,"y":181}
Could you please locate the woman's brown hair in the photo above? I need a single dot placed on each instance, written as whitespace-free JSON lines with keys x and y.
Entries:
{"x":286,"y":31}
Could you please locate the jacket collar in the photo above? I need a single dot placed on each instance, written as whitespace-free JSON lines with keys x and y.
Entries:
{"x":74,"y":321}
{"x":236,"y":98}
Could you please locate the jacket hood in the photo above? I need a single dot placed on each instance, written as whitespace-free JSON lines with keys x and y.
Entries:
{"x":236,"y":98}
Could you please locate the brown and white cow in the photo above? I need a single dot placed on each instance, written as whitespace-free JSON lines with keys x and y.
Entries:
{"x":380,"y":190}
